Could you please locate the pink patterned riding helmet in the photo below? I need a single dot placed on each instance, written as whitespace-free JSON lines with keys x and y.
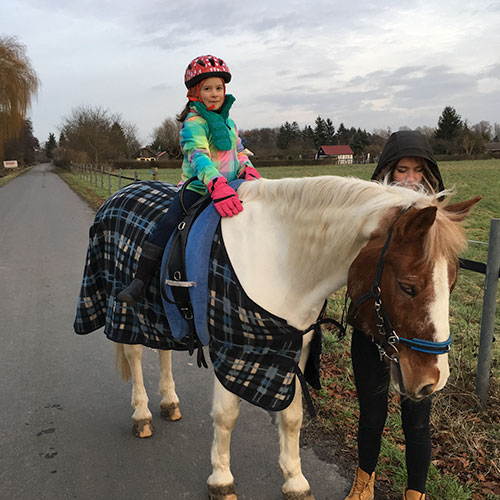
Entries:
{"x":206,"y":67}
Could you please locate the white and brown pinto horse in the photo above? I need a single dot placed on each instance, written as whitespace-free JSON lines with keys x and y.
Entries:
{"x":296,"y":242}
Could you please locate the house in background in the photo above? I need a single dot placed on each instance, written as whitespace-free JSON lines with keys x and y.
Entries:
{"x":145,"y":154}
{"x":343,"y":154}
{"x":492,"y":147}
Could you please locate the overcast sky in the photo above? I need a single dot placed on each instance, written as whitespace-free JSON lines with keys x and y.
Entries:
{"x":367,"y":64}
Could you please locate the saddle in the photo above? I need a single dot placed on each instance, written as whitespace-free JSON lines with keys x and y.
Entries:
{"x":174,"y":273}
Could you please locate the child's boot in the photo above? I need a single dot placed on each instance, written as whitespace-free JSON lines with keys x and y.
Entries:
{"x":148,"y":264}
{"x":363,"y":486}
{"x":413,"y":495}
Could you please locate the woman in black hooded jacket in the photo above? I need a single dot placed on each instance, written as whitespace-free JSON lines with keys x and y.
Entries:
{"x":407,"y":159}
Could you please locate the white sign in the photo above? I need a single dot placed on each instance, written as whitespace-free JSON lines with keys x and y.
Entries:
{"x":10,"y":164}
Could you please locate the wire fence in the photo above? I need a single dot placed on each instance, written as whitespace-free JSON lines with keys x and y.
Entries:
{"x":102,"y":175}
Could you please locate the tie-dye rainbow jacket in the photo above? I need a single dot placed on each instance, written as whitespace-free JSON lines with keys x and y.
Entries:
{"x":203,"y":159}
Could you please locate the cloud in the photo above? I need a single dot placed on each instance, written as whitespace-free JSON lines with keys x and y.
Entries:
{"x":367,"y":64}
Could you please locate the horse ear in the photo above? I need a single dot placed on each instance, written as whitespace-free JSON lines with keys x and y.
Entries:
{"x":461,"y":210}
{"x":418,"y":222}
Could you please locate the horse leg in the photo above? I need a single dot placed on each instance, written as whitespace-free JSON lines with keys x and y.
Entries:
{"x":296,"y":486}
{"x":169,"y":405}
{"x":225,"y":412}
{"x":142,"y":417}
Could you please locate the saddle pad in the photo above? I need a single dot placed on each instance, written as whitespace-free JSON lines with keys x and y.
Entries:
{"x":198,"y":247}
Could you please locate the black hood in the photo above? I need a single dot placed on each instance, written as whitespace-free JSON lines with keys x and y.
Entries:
{"x":407,"y":143}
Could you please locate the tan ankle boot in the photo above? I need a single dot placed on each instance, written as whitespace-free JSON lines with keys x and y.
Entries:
{"x":413,"y":495}
{"x":362,"y":489}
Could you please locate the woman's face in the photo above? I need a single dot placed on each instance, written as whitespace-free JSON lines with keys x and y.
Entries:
{"x":212,"y":93}
{"x":409,"y":172}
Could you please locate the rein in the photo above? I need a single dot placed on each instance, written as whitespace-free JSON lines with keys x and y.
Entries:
{"x":389,"y":337}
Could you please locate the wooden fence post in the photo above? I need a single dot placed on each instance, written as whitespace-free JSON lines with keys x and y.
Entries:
{"x":488,"y":316}
{"x":120,"y":180}
{"x":109,"y":179}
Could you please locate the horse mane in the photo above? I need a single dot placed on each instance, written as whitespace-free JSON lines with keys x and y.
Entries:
{"x":291,"y":196}
{"x":330,"y":208}
{"x":446,"y":237}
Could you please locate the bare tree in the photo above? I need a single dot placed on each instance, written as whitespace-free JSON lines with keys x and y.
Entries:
{"x":166,"y":137}
{"x":98,"y":135}
{"x":18,"y":83}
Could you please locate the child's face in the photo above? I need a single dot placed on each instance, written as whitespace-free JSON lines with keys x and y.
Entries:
{"x":212,"y":93}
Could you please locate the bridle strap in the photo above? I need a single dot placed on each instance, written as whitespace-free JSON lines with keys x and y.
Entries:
{"x":375,"y":289}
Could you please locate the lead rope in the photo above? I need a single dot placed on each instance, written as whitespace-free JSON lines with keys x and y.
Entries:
{"x":317,"y":331}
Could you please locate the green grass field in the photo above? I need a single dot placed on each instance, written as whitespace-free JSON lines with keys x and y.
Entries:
{"x":466,"y":437}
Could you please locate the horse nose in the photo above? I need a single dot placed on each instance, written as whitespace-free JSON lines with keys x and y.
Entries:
{"x":425,"y":391}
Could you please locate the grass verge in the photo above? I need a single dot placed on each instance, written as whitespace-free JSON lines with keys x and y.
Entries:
{"x":14,"y":174}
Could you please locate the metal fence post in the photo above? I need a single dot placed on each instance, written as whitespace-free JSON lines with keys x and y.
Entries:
{"x":488,"y":316}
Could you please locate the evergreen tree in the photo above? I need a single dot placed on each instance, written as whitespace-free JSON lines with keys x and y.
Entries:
{"x":342,"y":135}
{"x":329,"y":132}
{"x":23,"y":147}
{"x":117,"y":141}
{"x":449,"y":124}
{"x":320,"y":134}
{"x":308,"y":139}
{"x":62,"y":140}
{"x":283,"y":139}
{"x":50,"y":145}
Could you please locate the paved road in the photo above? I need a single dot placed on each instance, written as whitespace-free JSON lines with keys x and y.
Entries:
{"x":65,"y":413}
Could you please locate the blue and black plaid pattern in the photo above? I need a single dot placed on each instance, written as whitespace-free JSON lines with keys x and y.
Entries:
{"x":254,"y":353}
{"x":122,"y":224}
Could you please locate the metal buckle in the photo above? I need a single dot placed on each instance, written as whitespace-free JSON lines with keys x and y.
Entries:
{"x":187,"y":313}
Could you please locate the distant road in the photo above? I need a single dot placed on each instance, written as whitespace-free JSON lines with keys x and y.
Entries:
{"x":65,"y":413}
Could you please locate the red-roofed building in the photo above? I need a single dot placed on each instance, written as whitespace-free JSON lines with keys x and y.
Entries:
{"x":343,"y":154}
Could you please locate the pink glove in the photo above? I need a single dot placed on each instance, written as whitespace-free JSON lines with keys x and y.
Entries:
{"x":225,"y":198}
{"x":249,"y":174}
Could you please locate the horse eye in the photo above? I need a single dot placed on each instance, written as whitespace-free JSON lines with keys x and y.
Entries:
{"x":408,"y":289}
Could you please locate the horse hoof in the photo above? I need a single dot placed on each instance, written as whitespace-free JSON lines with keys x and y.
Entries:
{"x":305,"y":495}
{"x":143,"y":428}
{"x":222,"y":492}
{"x":170,"y":412}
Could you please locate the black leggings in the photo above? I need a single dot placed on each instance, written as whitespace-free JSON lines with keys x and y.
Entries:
{"x":372,"y":379}
{"x":169,"y":221}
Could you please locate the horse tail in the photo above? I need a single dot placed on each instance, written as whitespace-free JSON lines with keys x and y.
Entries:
{"x":121,"y":362}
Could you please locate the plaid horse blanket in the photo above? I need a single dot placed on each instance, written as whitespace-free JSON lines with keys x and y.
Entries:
{"x":254,"y":353}
{"x":122,"y":224}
